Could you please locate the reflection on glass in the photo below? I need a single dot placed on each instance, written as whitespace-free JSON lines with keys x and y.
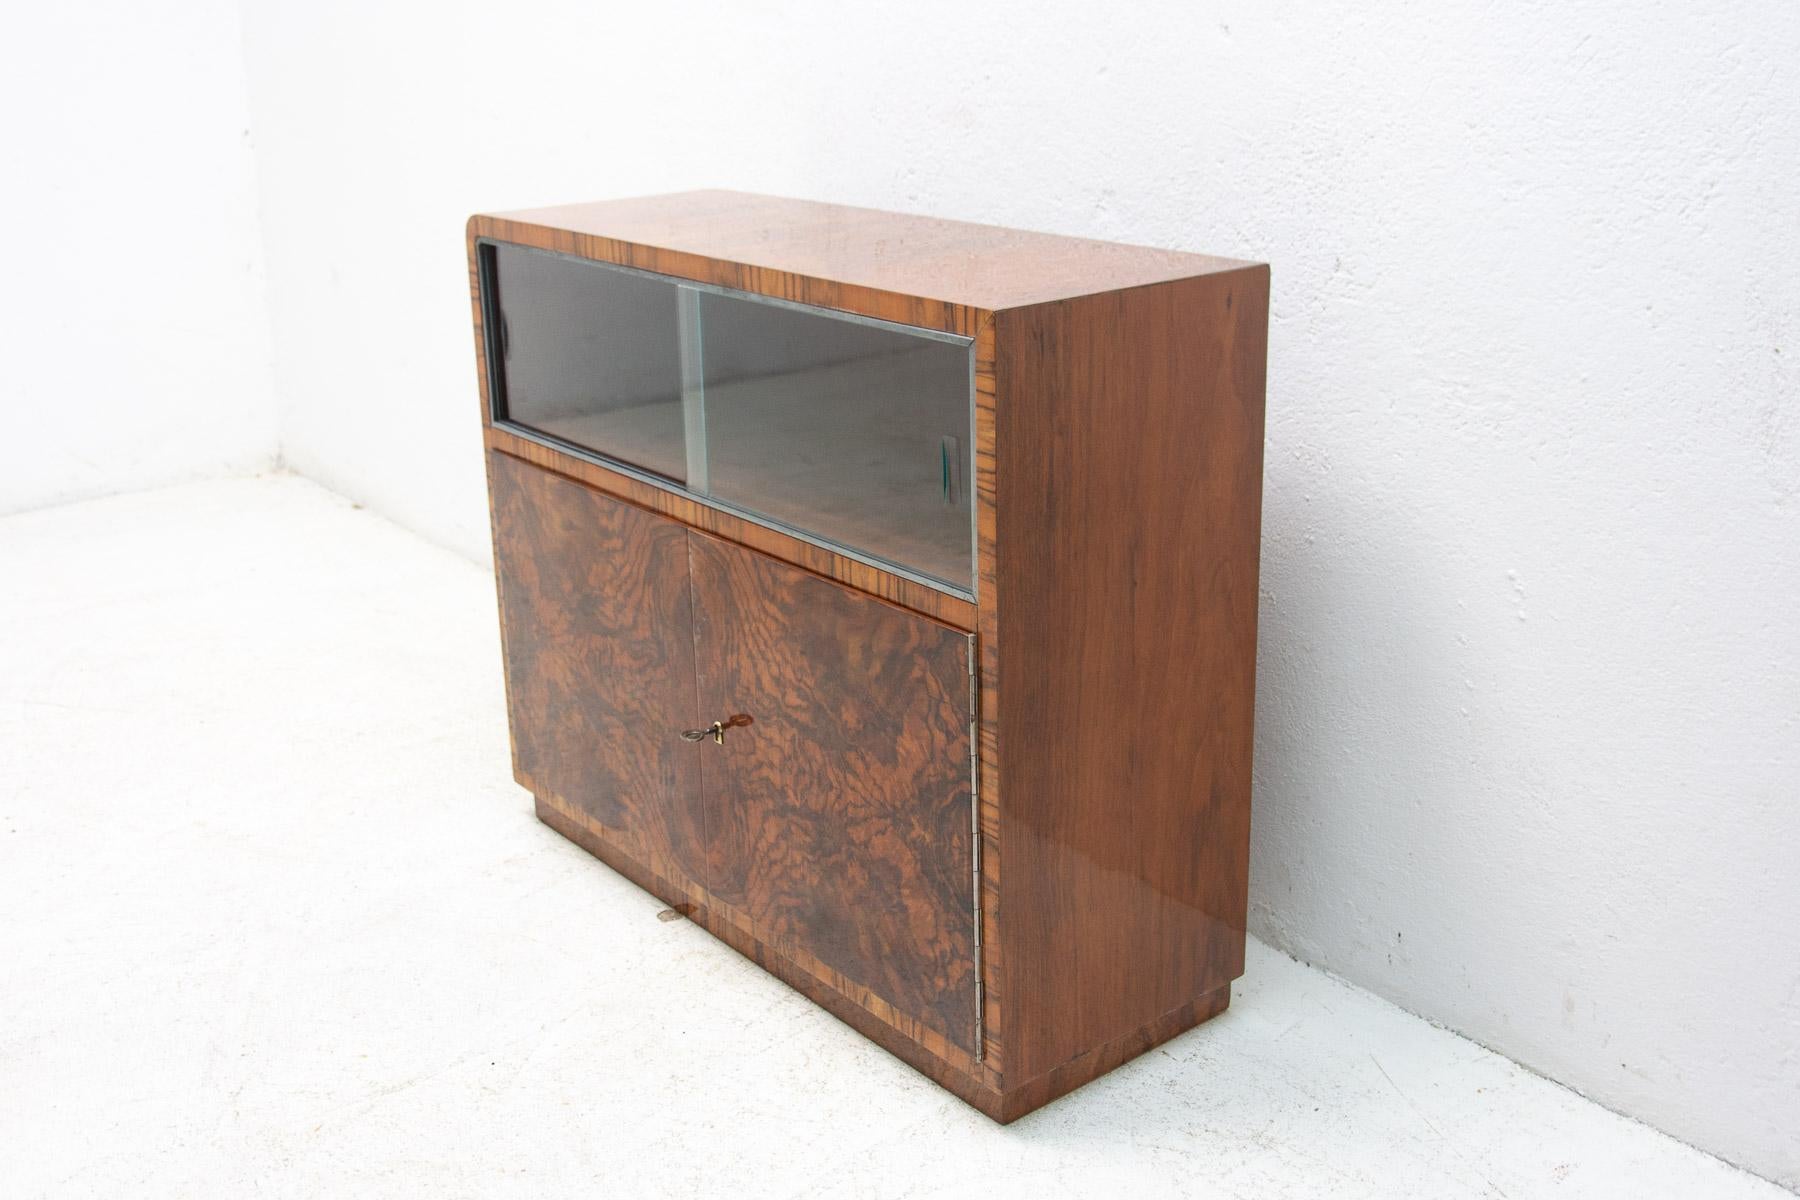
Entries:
{"x":847,"y":430}
{"x":592,"y":356}
{"x":853,"y":432}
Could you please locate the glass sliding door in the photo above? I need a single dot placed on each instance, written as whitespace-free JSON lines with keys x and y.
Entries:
{"x":589,"y":356}
{"x":855,"y":432}
{"x":847,"y":431}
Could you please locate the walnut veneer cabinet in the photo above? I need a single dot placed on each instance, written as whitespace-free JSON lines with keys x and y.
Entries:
{"x":881,"y":592}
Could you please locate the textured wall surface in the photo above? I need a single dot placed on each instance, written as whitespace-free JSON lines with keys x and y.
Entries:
{"x":135,"y":329}
{"x":1530,"y":664}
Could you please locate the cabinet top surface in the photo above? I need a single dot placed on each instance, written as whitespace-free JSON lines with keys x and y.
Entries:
{"x":981,"y":266}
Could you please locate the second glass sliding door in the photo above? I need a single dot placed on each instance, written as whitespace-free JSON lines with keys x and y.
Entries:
{"x":852,"y":431}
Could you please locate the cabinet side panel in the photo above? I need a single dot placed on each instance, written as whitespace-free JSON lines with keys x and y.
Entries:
{"x":1130,"y":433}
{"x":594,"y":610}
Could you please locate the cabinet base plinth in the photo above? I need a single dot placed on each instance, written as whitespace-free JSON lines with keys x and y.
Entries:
{"x":1002,"y":1104}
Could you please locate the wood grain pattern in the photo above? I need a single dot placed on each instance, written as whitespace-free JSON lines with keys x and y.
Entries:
{"x":1118,"y":426}
{"x":1130,"y":474}
{"x":989,"y":782}
{"x":854,"y":256}
{"x":819,"y":291}
{"x":594,"y":611}
{"x":665,"y":879}
{"x":952,"y":610}
{"x":945,"y":1065}
{"x":918,"y":1046}
{"x":839,"y":820}
{"x":1028,"y":1095}
{"x":557,"y":721}
{"x":851,"y":236}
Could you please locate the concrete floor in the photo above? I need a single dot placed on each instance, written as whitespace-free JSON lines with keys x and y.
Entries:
{"x":275,"y":920}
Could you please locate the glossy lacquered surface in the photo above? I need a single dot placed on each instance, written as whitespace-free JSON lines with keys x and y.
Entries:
{"x":917,"y":261}
{"x":1116,"y":485}
{"x":597,"y":626}
{"x":1129,"y":535}
{"x":831,"y":811}
{"x":840,"y":820}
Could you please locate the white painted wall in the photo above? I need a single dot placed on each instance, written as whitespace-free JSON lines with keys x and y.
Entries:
{"x":132,"y":314}
{"x":1529,"y":748}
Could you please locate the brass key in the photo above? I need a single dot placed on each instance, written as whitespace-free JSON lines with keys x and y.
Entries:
{"x":716,"y":730}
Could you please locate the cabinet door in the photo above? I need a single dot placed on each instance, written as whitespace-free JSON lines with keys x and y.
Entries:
{"x":839,"y":817}
{"x":599,"y":658}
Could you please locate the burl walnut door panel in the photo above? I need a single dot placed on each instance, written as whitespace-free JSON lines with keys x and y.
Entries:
{"x":838,"y":818}
{"x":599,"y":657}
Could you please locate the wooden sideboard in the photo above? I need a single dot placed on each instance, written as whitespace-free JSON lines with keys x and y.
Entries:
{"x":881,"y":592}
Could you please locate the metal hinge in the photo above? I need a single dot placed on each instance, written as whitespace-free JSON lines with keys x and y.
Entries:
{"x":975,"y":842}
